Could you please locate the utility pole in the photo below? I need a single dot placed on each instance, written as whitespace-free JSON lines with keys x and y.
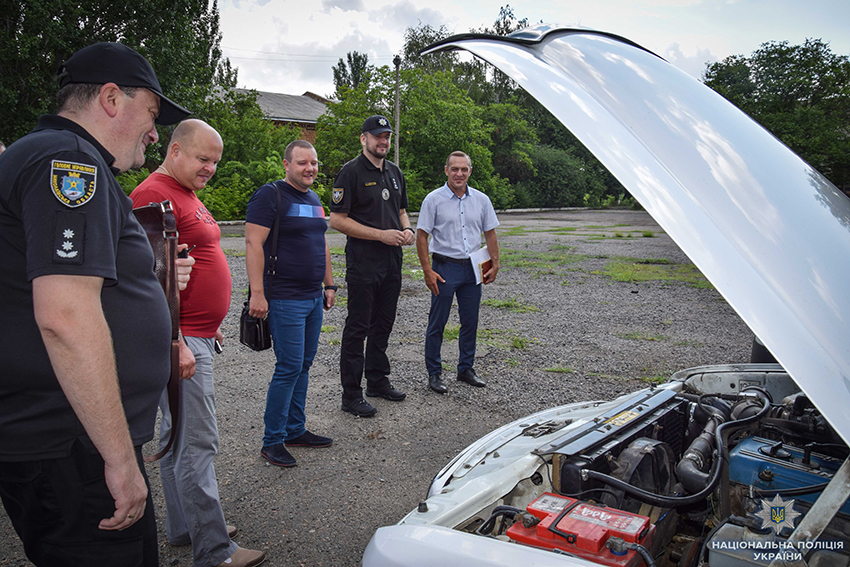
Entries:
{"x":397,"y":63}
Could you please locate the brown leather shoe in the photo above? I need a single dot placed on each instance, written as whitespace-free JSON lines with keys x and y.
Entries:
{"x":244,"y":558}
{"x":232,"y":531}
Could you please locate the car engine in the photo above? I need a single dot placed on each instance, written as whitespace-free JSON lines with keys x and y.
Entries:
{"x":716,"y":472}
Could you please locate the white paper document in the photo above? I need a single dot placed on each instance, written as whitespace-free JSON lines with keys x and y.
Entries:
{"x":479,"y":257}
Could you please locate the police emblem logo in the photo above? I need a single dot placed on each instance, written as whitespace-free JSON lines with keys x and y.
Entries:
{"x":337,"y":195}
{"x":777,"y":514}
{"x":72,"y":183}
{"x":385,"y":194}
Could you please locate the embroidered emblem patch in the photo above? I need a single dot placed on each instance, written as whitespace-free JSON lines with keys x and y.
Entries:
{"x":385,"y":194}
{"x":72,"y":183}
{"x":382,"y":121}
{"x":69,"y":230}
{"x":337,"y":195}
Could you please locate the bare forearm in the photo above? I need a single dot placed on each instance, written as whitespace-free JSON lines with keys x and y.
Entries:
{"x":422,"y":249}
{"x":492,"y":246}
{"x":255,"y":263}
{"x":350,"y":227}
{"x":329,"y":271}
{"x":85,"y":369}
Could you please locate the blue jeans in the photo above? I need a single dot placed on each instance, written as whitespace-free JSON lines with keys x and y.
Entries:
{"x":460,"y":282}
{"x":295,"y":326}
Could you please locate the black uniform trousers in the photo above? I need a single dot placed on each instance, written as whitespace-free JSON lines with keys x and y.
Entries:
{"x":56,"y":505}
{"x":373,"y":277}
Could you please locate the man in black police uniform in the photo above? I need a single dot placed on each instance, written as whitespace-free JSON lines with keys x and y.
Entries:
{"x":368,"y":204}
{"x":85,"y":326}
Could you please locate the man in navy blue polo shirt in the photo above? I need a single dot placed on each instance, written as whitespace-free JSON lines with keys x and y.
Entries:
{"x":455,"y":216}
{"x":369,"y":205}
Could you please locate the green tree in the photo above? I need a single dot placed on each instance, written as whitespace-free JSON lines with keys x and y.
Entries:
{"x":351,"y":75}
{"x":436,"y":119}
{"x":800,"y":93}
{"x":37,"y":35}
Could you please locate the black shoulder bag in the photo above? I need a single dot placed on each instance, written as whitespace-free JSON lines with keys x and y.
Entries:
{"x":253,"y":332}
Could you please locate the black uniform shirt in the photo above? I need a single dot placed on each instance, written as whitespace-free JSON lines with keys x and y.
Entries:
{"x":372,"y":197}
{"x":63,"y":212}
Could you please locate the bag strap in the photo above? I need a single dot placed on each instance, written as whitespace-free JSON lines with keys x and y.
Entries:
{"x":161,"y":228}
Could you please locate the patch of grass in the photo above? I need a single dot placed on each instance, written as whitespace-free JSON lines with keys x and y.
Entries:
{"x":451,"y":332}
{"x":335,"y":341}
{"x":341,"y":300}
{"x":647,"y":234}
{"x":618,"y":235}
{"x":514,"y":305}
{"x":560,"y":369}
{"x":639,"y":336}
{"x":233,"y":252}
{"x":635,"y":270}
{"x":337,"y":250}
{"x":519,"y":343}
{"x":652,"y":376}
{"x":514,"y":231}
{"x":513,"y":258}
{"x":512,"y":362}
{"x":329,"y":328}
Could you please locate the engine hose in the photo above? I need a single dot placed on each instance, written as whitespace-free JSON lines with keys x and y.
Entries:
{"x":643,"y":552}
{"x":487,"y":527}
{"x":680,"y":501}
{"x":799,"y":491}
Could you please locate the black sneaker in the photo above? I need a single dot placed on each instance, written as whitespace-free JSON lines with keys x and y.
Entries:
{"x":278,"y":455}
{"x":390,"y":394}
{"x":359,"y":407}
{"x":308,"y":439}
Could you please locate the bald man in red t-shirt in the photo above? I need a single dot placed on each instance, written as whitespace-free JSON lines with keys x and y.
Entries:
{"x":194,"y":513}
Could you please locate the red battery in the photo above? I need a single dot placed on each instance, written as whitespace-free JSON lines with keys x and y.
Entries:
{"x":582,"y":529}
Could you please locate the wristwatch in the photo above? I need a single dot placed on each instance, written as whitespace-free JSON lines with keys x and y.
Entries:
{"x":333,"y":287}
{"x":409,"y":228}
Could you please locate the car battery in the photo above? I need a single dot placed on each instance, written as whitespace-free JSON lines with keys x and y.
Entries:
{"x":583,"y":529}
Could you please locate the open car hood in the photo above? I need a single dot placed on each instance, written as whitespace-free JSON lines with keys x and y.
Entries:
{"x":770,"y":232}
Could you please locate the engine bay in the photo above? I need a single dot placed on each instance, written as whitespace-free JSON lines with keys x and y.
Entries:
{"x":718,"y":471}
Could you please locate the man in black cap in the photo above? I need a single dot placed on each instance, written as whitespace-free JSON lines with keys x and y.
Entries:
{"x":85,"y":326}
{"x":368,"y":204}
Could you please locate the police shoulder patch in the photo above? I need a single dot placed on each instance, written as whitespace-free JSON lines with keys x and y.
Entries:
{"x":72,"y":183}
{"x":337,"y":194}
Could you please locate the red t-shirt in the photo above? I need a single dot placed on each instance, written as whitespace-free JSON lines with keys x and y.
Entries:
{"x":206,"y":299}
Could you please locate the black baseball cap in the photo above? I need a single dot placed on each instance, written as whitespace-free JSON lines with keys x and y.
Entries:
{"x":376,"y":125}
{"x":111,"y":62}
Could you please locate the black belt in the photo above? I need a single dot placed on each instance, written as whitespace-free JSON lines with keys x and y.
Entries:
{"x":440,"y":258}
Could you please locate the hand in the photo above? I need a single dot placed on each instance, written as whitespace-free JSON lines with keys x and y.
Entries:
{"x":184,"y":268}
{"x":258,"y":306}
{"x":127,"y":487}
{"x":392,"y":237}
{"x":431,"y":278}
{"x":409,"y":237}
{"x":490,"y":275}
{"x":329,"y":299}
{"x":187,"y":361}
{"x":219,"y":337}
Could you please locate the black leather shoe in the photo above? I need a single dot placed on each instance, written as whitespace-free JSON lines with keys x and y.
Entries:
{"x":470,"y":378}
{"x":437,"y":384}
{"x":359,"y":407}
{"x":390,"y":394}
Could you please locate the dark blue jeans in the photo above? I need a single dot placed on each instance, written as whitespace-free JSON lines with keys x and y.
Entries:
{"x":56,"y":505}
{"x":460,"y":282}
{"x":295,"y":326}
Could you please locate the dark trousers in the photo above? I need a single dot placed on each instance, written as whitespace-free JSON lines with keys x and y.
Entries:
{"x":371,"y":314}
{"x":56,"y":504}
{"x":460,"y":282}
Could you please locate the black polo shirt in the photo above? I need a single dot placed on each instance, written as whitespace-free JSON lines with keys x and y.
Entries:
{"x":372,"y":197}
{"x":63,"y":212}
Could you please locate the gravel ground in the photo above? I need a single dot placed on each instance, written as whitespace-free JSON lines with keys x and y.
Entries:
{"x":573,"y":334}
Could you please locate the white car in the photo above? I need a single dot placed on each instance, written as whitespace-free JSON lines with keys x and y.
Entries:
{"x":731,"y":465}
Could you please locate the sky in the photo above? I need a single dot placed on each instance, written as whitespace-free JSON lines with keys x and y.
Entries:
{"x":290,"y":46}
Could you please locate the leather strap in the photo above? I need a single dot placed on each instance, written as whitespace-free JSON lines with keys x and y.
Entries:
{"x":161,"y":228}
